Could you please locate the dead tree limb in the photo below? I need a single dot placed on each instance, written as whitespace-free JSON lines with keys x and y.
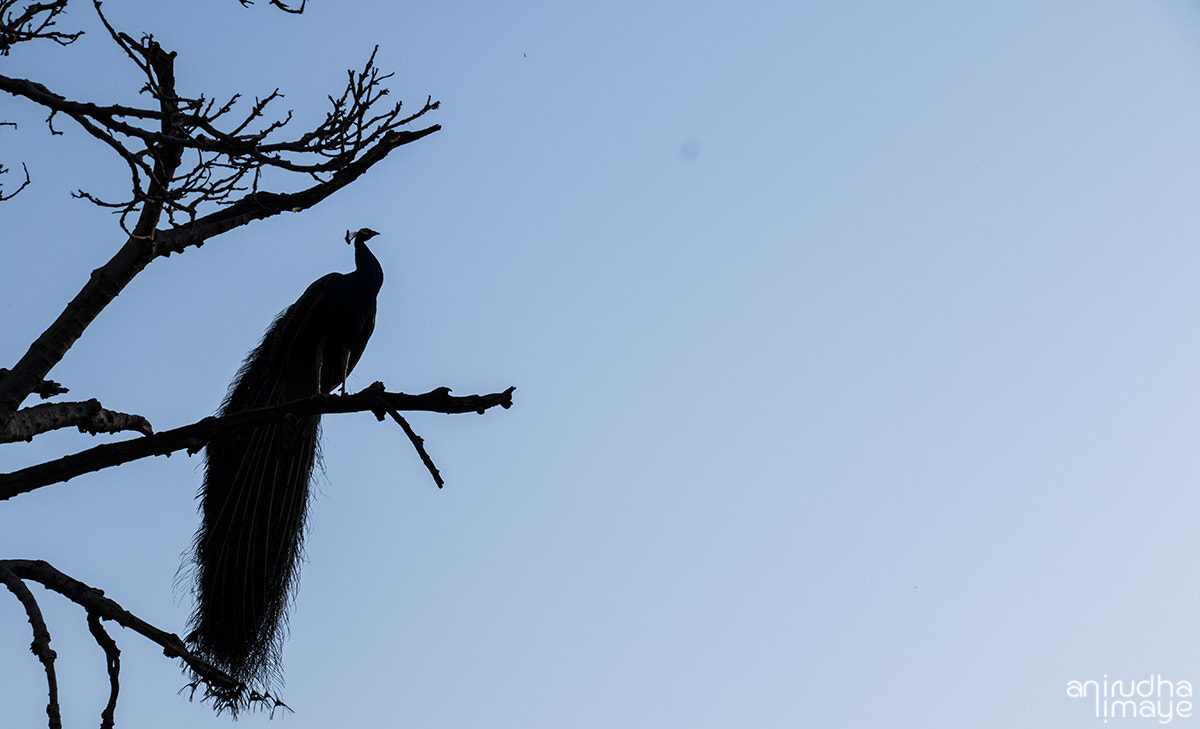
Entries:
{"x":88,"y":417}
{"x":5,"y":197}
{"x":45,"y":389}
{"x":15,"y":572}
{"x":194,"y":437}
{"x":112,"y":657}
{"x":41,"y":640}
{"x":218,"y":189}
{"x":26,"y":20}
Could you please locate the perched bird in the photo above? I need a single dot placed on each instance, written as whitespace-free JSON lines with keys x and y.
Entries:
{"x":255,"y":492}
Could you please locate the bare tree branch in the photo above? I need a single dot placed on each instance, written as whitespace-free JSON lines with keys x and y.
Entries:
{"x":259,"y":205}
{"x":197,"y":164}
{"x":280,"y":5}
{"x":45,"y":389}
{"x":90,"y":417}
{"x":14,"y":193}
{"x":14,"y":571}
{"x":418,"y":443}
{"x":41,"y":639}
{"x":227,"y":162}
{"x":49,"y":348}
{"x":33,"y":21}
{"x":194,"y":437}
{"x":112,"y":657}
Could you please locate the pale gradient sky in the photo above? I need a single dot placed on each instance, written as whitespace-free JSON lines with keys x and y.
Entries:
{"x":854,"y":344}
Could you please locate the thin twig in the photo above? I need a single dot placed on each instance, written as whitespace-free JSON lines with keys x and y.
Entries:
{"x":418,"y":443}
{"x":14,"y":193}
{"x":112,"y":655}
{"x":34,"y":22}
{"x":45,"y":389}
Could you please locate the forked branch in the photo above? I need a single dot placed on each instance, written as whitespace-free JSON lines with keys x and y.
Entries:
{"x":24,"y":20}
{"x":14,"y":573}
{"x":218,"y":189}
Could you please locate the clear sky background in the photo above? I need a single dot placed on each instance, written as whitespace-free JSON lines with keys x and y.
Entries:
{"x":855,"y":348}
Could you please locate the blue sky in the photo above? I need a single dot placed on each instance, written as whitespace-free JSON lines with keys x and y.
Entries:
{"x":853,"y":344}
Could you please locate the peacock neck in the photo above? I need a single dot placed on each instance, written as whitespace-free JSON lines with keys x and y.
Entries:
{"x":367,"y":267}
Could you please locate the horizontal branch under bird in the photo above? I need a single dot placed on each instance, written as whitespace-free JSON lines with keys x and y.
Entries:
{"x":374,"y":399}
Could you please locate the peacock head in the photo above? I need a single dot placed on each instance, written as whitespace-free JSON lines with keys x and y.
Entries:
{"x":362,"y":235}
